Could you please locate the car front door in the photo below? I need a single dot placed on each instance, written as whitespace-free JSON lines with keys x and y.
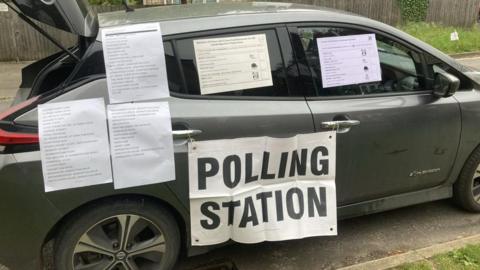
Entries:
{"x":275,"y":110}
{"x":406,"y":138}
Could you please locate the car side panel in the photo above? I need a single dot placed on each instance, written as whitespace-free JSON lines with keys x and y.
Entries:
{"x":25,"y":216}
{"x":398,"y":138}
{"x":470,"y":139}
{"x":32,"y":213}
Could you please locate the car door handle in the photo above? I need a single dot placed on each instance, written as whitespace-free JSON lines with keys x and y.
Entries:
{"x":185,"y":133}
{"x":341,"y":124}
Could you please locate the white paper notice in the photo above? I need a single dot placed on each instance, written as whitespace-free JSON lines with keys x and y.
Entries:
{"x":141,"y":144}
{"x":232,"y":63}
{"x":349,"y":60}
{"x":3,"y":7}
{"x":262,"y":189}
{"x":74,"y":144}
{"x":135,"y":62}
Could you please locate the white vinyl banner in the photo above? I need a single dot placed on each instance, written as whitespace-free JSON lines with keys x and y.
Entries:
{"x":232,"y":63}
{"x":349,"y":60}
{"x":262,"y":189}
{"x":74,"y":144}
{"x":135,"y":62}
{"x":141,"y":143}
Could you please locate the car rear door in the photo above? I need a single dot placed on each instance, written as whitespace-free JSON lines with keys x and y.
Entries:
{"x":277,"y":111}
{"x":404,"y":138}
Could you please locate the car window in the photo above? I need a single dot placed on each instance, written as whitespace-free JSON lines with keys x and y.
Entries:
{"x":175,"y":83}
{"x":401,"y":68}
{"x":185,"y":53}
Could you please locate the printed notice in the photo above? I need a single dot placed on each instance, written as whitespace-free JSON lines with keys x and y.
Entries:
{"x":262,"y":189}
{"x":135,"y":63}
{"x":349,"y":60}
{"x":3,"y":7}
{"x":141,"y":144}
{"x":232,"y":63}
{"x":74,"y":144}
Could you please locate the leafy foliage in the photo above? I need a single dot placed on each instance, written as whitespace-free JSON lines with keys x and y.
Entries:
{"x":413,"y":10}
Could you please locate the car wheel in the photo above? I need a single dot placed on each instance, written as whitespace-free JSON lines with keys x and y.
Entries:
{"x":119,"y":235}
{"x":466,"y":191}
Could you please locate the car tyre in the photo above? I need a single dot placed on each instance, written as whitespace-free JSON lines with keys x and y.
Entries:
{"x":121,"y":234}
{"x":466,"y":191}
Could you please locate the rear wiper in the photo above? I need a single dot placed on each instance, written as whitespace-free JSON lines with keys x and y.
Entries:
{"x":41,"y":31}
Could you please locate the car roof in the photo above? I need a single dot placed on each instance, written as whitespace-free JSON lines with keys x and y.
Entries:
{"x":189,"y":18}
{"x":177,"y":19}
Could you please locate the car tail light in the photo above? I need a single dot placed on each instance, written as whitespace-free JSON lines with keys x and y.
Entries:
{"x":14,"y":137}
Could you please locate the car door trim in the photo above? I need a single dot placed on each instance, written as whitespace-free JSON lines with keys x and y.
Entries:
{"x":347,"y":97}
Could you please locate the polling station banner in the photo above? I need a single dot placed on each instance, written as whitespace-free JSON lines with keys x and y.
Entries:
{"x":262,"y":189}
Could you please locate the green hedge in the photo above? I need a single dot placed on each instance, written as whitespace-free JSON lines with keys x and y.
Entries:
{"x":413,"y":10}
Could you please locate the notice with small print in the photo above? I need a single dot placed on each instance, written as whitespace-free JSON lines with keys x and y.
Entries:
{"x":74,"y":144}
{"x":232,"y":63}
{"x":3,"y":7}
{"x":349,"y":60}
{"x":141,"y":143}
{"x":135,"y":62}
{"x":262,"y":189}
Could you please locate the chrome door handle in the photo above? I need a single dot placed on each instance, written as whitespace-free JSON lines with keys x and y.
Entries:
{"x":341,"y":124}
{"x":187,"y":133}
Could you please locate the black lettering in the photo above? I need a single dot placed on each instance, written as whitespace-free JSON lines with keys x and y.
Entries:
{"x":323,"y":162}
{"x":265,"y":174}
{"x":227,"y":171}
{"x":279,"y":204}
{"x":203,"y":173}
{"x":248,"y":169}
{"x":283,"y":165}
{"x":299,"y":164}
{"x":214,"y":218}
{"x":249,"y":213}
{"x":290,"y":205}
{"x":317,"y":201}
{"x":231,"y":209}
{"x":263,"y":196}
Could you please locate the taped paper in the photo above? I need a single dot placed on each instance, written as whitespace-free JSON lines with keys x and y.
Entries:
{"x":349,"y":60}
{"x":232,"y":63}
{"x":135,"y":62}
{"x":141,"y":144}
{"x":74,"y":144}
{"x":3,"y":7}
{"x":262,"y":189}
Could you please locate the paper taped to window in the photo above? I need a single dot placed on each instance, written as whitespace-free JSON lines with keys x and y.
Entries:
{"x":349,"y":60}
{"x":135,"y":62}
{"x":232,"y":63}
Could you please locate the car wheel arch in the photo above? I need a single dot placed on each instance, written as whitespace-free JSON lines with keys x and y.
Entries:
{"x":67,"y":217}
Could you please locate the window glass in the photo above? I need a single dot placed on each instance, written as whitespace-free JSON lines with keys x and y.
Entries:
{"x":186,"y":54}
{"x":401,"y":68}
{"x":175,"y":83}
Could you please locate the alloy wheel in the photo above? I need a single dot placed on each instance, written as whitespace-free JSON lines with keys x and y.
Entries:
{"x":476,"y":185}
{"x":121,"y":242}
